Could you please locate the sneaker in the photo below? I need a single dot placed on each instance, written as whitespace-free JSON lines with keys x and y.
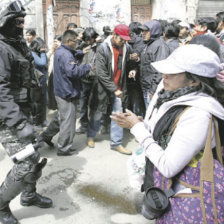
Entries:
{"x":122,"y":150}
{"x":6,"y":216}
{"x":90,"y":142}
{"x":81,"y":130}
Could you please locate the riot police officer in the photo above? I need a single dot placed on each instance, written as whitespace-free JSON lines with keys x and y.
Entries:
{"x":17,"y":78}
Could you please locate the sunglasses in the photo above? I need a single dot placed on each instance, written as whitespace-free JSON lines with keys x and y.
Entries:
{"x":74,"y":41}
{"x":19,"y":21}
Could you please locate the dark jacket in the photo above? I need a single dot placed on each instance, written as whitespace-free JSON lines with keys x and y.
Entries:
{"x":40,"y":94}
{"x":135,"y":96}
{"x":156,"y":49}
{"x":67,"y":72}
{"x":103,"y":85}
{"x":16,"y":78}
{"x":172,"y":43}
{"x":90,"y":58}
{"x":137,"y":44}
{"x":220,"y":36}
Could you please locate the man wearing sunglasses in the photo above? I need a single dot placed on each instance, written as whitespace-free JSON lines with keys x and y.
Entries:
{"x":16,"y":132}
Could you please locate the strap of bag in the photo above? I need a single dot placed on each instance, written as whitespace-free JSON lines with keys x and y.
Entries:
{"x":209,"y":138}
{"x":218,"y":143}
{"x":176,"y":121}
{"x":207,"y":173}
{"x":170,"y":133}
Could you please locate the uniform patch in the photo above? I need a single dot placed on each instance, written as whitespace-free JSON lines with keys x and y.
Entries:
{"x":72,"y":62}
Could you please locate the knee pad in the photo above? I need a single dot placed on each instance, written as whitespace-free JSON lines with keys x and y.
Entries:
{"x":32,"y":177}
{"x":27,"y":171}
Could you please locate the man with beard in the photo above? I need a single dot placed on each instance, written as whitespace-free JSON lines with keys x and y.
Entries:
{"x":16,"y":133}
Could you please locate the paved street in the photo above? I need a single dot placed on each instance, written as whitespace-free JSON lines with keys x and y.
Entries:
{"x":90,"y":187}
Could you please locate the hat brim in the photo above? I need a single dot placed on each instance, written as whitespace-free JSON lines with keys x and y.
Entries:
{"x":143,"y":28}
{"x":184,"y":25}
{"x":125,"y":37}
{"x":167,"y":67}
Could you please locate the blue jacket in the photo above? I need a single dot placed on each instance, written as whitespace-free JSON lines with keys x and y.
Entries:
{"x":67,"y":72}
{"x":40,"y":63}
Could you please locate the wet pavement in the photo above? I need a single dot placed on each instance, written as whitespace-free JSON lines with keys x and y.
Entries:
{"x":90,"y":187}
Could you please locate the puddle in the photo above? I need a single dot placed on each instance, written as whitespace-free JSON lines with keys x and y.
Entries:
{"x":114,"y":202}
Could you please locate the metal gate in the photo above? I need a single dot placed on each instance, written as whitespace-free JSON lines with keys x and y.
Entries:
{"x":209,"y":8}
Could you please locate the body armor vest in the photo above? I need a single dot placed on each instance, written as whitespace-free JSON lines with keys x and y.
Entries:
{"x":22,"y":75}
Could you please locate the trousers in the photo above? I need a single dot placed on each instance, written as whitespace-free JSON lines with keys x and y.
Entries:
{"x":24,"y":174}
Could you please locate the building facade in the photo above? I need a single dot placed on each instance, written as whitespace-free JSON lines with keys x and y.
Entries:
{"x":97,"y":13}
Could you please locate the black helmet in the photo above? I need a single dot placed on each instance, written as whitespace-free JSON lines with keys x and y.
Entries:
{"x":10,"y":9}
{"x":106,"y":29}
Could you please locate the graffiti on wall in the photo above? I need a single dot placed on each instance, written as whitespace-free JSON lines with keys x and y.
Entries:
{"x":111,"y":14}
{"x":118,"y":12}
{"x":50,"y":25}
{"x":92,"y":4}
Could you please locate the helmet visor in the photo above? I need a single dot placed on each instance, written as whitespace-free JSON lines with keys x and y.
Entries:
{"x":15,"y":6}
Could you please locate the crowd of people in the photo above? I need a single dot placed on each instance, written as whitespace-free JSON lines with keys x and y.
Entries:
{"x":125,"y":78}
{"x":153,"y":71}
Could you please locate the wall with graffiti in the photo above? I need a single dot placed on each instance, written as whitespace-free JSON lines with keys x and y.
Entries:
{"x":98,"y":13}
{"x":34,"y":17}
{"x":175,"y":9}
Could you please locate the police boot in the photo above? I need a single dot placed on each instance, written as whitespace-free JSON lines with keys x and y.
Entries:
{"x":6,"y":216}
{"x":33,"y":198}
{"x":9,"y":190}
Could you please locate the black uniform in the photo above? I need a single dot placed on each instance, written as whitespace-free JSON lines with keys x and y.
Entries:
{"x":17,"y":78}
{"x":15,"y":84}
{"x":136,"y":101}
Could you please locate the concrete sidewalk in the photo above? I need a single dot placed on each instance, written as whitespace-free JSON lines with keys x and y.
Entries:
{"x":90,"y":187}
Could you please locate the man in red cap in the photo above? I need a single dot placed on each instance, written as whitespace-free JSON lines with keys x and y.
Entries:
{"x":110,"y":87}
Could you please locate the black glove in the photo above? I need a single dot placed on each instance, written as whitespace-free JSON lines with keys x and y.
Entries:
{"x":25,"y":132}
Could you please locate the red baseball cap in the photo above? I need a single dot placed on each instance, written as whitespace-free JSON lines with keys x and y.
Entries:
{"x":123,"y":31}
